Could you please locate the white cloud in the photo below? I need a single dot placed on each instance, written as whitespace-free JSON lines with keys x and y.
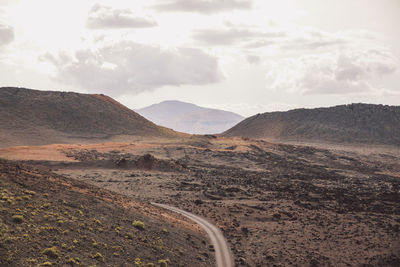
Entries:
{"x":350,"y":72}
{"x":6,"y":34}
{"x":126,"y":67}
{"x":252,"y":59}
{"x":233,"y":35}
{"x":105,"y":17}
{"x":202,"y":6}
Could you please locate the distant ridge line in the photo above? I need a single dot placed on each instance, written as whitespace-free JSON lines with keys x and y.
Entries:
{"x":343,"y":124}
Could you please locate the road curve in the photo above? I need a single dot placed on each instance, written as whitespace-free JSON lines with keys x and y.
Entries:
{"x":223,"y":255}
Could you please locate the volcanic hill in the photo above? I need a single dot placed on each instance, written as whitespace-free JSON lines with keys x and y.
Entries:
{"x":32,"y":117}
{"x":190,"y":118}
{"x":344,"y":124}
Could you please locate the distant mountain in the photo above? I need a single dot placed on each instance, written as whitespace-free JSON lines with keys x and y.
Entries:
{"x":345,"y":124}
{"x":190,"y":118}
{"x":32,"y":117}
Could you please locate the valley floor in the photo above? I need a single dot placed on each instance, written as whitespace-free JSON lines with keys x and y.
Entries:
{"x":277,"y":204}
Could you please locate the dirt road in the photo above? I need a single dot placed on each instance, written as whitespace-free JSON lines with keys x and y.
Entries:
{"x":223,"y":254}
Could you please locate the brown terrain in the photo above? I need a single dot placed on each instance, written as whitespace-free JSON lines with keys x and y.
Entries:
{"x":346,"y":124}
{"x":32,"y":117}
{"x":47,"y":219}
{"x":277,"y":204}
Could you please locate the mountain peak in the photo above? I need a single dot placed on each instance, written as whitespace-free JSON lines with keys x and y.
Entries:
{"x":189,"y":118}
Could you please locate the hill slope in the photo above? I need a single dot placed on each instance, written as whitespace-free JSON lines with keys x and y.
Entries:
{"x":47,"y":219}
{"x":355,"y":123}
{"x":190,"y":118}
{"x":32,"y":117}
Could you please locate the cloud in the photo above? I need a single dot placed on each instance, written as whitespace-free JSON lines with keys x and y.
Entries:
{"x":6,"y":34}
{"x":252,"y":59}
{"x":312,"y":43}
{"x":304,"y":39}
{"x":203,"y":6}
{"x":6,"y":2}
{"x":285,"y":38}
{"x":223,"y":37}
{"x":126,"y":67}
{"x":104,"y":17}
{"x":297,"y":39}
{"x":351,"y":72}
{"x":234,"y":35}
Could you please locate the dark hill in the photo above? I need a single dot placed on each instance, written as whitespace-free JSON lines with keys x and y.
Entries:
{"x":32,"y":117}
{"x":345,"y":124}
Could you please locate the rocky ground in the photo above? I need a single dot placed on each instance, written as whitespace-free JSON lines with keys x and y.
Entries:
{"x":277,"y":204}
{"x":50,"y":220}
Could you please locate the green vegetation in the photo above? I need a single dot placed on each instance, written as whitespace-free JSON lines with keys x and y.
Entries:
{"x":138,"y":224}
{"x":29,"y":192}
{"x":138,"y":262}
{"x":163,"y":263}
{"x":95,"y":244}
{"x":98,"y":256}
{"x":51,"y":252}
{"x":72,"y":261}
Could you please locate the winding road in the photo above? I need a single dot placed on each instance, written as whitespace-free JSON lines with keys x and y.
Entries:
{"x":223,"y":255}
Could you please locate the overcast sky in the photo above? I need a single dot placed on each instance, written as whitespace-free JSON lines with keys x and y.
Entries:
{"x":245,"y":56}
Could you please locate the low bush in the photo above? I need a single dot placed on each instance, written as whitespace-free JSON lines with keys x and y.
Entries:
{"x":51,"y":252}
{"x":138,"y":224}
{"x":18,"y":218}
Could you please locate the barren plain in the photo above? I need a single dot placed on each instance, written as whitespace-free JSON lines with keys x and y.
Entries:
{"x":277,"y":204}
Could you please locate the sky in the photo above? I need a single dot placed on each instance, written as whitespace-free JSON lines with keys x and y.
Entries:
{"x":245,"y":56}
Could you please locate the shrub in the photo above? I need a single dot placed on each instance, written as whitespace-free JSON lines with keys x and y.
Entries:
{"x":71,"y":261}
{"x":129,"y":235}
{"x":46,"y":205}
{"x":29,"y":192}
{"x":51,"y":252}
{"x":138,"y":262}
{"x":98,"y":257}
{"x":138,"y":224}
{"x":18,"y":218}
{"x":163,"y":263}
